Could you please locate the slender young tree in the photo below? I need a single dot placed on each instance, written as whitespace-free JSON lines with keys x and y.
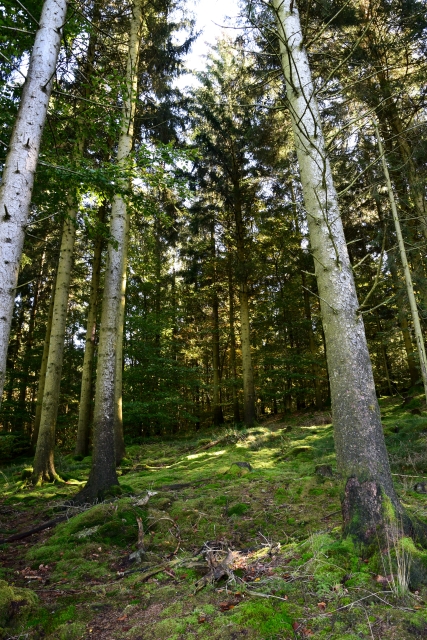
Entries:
{"x":359,"y":440}
{"x":21,"y":161}
{"x":419,"y":338}
{"x":103,"y":472}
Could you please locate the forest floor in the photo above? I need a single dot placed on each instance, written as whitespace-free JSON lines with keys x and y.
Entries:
{"x":226,"y":552}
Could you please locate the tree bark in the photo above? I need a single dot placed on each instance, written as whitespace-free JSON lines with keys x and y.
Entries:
{"x":21,"y":161}
{"x":118,"y":389}
{"x":82,"y":443}
{"x":359,"y":440}
{"x":103,"y":475}
{"x":245,"y":327}
{"x":43,"y":466}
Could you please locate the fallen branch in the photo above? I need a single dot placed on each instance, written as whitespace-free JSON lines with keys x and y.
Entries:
{"x":334,"y":513}
{"x":37,"y":529}
{"x":209,"y":445}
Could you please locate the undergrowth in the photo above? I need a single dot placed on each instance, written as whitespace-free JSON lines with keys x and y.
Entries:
{"x":291,"y":574}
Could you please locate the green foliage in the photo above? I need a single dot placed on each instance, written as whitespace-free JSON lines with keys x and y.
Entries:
{"x":13,"y":445}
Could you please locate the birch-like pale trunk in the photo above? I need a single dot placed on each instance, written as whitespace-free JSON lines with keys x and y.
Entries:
{"x":44,"y":466}
{"x":118,"y":387}
{"x":21,"y":161}
{"x":362,"y":458}
{"x":103,"y":472}
{"x":406,"y":270}
{"x":82,"y":442}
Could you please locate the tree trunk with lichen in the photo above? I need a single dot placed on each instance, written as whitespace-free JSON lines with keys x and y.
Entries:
{"x":21,"y":161}
{"x":369,"y":497}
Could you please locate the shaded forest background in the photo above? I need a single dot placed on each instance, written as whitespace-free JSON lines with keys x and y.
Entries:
{"x":217,"y":216}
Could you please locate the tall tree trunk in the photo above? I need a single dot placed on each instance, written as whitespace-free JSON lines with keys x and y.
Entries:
{"x":103,"y":472}
{"x":406,"y":270}
{"x":362,"y":459}
{"x":245,"y":327}
{"x":43,"y":367}
{"x":21,"y":161}
{"x":235,"y":396}
{"x":43,"y":466}
{"x":118,"y":389}
{"x":82,"y":443}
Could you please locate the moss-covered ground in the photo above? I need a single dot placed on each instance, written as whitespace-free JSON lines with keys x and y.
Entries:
{"x":290,"y":575}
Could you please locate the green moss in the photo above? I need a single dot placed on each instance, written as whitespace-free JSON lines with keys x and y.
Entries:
{"x":15,"y":604}
{"x":238,"y":509}
{"x":268,"y":620}
{"x":69,"y":631}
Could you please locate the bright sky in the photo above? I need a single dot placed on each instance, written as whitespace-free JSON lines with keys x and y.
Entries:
{"x":211,"y":19}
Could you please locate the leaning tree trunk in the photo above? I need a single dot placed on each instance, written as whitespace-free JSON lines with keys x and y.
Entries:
{"x":369,"y":496}
{"x":82,"y":443}
{"x":21,"y":161}
{"x":406,"y":270}
{"x":43,"y":466}
{"x":401,"y":312}
{"x":103,"y":474}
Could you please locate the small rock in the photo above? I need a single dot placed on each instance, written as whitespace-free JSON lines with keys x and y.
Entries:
{"x":243,"y":465}
{"x":85,"y":533}
{"x":324,"y":470}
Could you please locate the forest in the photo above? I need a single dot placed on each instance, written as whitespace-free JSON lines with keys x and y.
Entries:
{"x":213,"y":314}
